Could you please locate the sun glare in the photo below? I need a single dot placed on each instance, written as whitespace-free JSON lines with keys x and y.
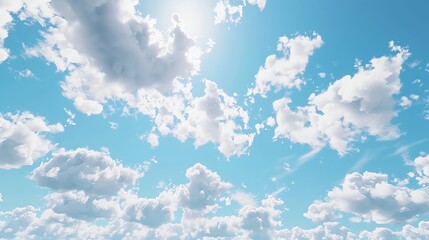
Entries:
{"x":193,"y":15}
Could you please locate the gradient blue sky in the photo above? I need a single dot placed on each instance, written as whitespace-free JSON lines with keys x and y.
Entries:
{"x":50,"y":49}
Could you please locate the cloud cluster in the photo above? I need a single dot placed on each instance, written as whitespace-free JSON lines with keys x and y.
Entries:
{"x":371,"y":197}
{"x":85,"y":183}
{"x":225,"y":12}
{"x":23,"y":139}
{"x":285,"y":71}
{"x":422,"y":167}
{"x":78,"y":180}
{"x":37,"y":10}
{"x":216,"y":117}
{"x":149,"y":81}
{"x":352,"y":107}
{"x":123,"y":45}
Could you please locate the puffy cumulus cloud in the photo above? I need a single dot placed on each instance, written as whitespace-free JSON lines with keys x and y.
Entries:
{"x":123,"y":45}
{"x":261,"y":3}
{"x":24,"y":9}
{"x":321,"y":211}
{"x":96,"y":69}
{"x":203,"y":188}
{"x":23,"y":139}
{"x":297,"y":125}
{"x":89,"y":107}
{"x":260,"y":222}
{"x":351,"y":107}
{"x":216,"y":117}
{"x":405,"y":102}
{"x":84,"y":170}
{"x":71,"y":209}
{"x":371,"y":197}
{"x":152,"y":212}
{"x":422,"y":167}
{"x":328,"y":230}
{"x":285,"y":71}
{"x":134,"y":217}
{"x":379,"y":233}
{"x":85,"y":183}
{"x":31,"y":223}
{"x":225,"y":12}
{"x":80,"y":205}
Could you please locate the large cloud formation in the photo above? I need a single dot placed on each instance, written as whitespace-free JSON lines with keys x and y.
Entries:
{"x":23,"y":139}
{"x":78,"y":179}
{"x":85,"y":183}
{"x":124,"y":46}
{"x":352,"y":107}
{"x":371,"y":197}
{"x":151,"y":78}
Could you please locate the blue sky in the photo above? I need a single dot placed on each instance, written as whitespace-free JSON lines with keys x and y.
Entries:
{"x":222,"y":119}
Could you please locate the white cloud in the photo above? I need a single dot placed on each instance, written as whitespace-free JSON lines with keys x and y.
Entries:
{"x":85,"y":183}
{"x":149,"y":212}
{"x":261,"y":3}
{"x":31,"y":223}
{"x":243,"y":198}
{"x":321,"y":211}
{"x":322,"y":75}
{"x":260,"y":222}
{"x":414,"y":97}
{"x":152,"y":139}
{"x":422,"y":167}
{"x":23,"y":139}
{"x":225,"y":12}
{"x":71,"y":117}
{"x":24,"y":9}
{"x":166,"y":99}
{"x":125,"y":46}
{"x":84,"y":170}
{"x":351,"y":107}
{"x":89,"y":107}
{"x":328,"y":230}
{"x":285,"y":71}
{"x":215,"y":117}
{"x":113,"y":125}
{"x":297,"y":125}
{"x":203,"y":189}
{"x":379,"y":233}
{"x":405,"y":102}
{"x":371,"y":197}
{"x":70,"y":210}
{"x":82,"y":205}
{"x":271,"y":122}
{"x":26,"y":73}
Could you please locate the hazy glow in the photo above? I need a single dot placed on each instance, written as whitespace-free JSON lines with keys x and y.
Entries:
{"x":196,"y":15}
